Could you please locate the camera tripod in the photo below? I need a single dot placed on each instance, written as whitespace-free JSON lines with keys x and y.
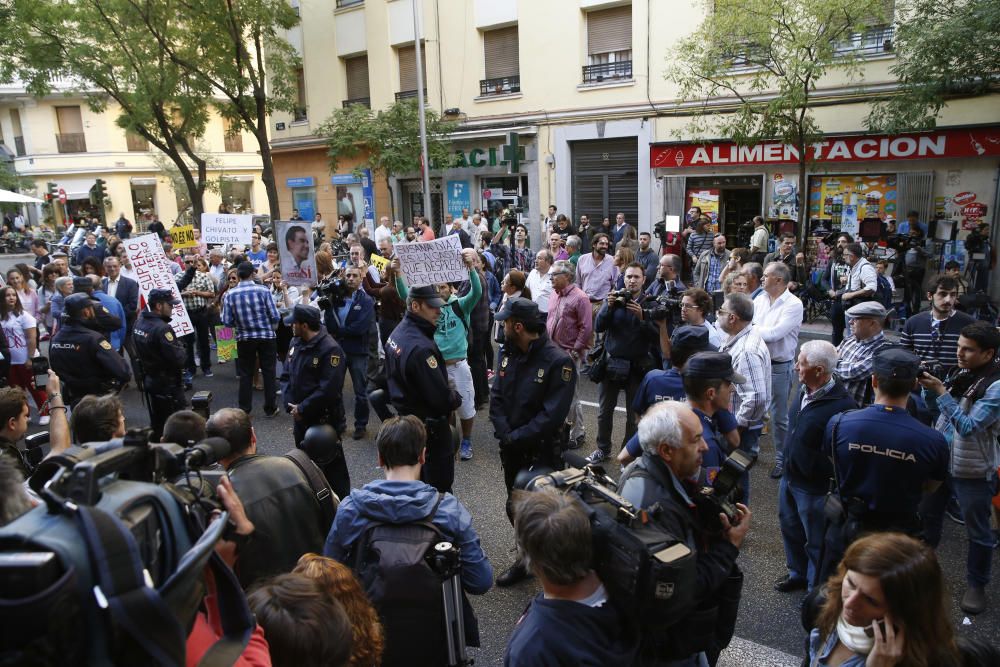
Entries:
{"x":444,"y":561}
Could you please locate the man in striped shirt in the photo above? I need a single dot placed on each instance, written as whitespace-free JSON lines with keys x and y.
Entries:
{"x":857,"y":351}
{"x":249,"y":308}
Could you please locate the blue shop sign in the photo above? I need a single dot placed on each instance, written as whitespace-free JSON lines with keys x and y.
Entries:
{"x":301,"y":182}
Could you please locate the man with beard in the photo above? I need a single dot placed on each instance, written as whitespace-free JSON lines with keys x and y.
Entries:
{"x":708,"y":268}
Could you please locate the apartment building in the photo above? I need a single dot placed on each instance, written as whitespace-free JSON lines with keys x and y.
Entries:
{"x":60,"y":140}
{"x":567,"y":102}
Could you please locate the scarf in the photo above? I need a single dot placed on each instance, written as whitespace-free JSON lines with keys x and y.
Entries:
{"x":854,"y":638}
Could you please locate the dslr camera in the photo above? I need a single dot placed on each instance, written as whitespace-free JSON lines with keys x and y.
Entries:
{"x":721,"y":497}
{"x":620,"y":297}
{"x":334,"y":290}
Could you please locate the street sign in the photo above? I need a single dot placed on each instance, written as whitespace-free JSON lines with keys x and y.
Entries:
{"x":62,"y":196}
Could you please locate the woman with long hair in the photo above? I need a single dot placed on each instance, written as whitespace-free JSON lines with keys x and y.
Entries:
{"x":885,"y":606}
{"x":21,"y":331}
{"x":337,"y":581}
{"x":624,"y":256}
{"x":25,"y":292}
{"x":45,"y":294}
{"x":514,"y":285}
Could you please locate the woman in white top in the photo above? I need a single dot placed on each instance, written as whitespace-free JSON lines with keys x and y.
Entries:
{"x":27,"y":295}
{"x":20,"y":330}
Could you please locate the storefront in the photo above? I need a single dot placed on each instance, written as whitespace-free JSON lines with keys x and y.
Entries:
{"x":303,"y":196}
{"x":355,"y":198}
{"x":855,"y":183}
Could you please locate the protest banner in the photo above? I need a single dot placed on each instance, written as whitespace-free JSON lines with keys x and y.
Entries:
{"x":225,"y":229}
{"x":295,"y":249}
{"x":379,"y":262}
{"x":225,"y":343}
{"x":183,"y":237}
{"x":432,"y":262}
{"x":152,"y":271}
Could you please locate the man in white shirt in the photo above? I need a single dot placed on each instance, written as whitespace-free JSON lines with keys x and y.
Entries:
{"x":777,"y":317}
{"x":384,"y":229}
{"x":539,"y":281}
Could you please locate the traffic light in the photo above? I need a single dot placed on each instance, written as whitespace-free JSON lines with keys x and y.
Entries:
{"x":52,"y":192}
{"x":101,"y":191}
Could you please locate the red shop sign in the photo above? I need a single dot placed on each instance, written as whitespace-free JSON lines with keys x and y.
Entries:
{"x":974,"y":210}
{"x":976,"y":142}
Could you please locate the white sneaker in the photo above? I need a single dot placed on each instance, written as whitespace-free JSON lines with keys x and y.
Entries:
{"x":43,"y":420}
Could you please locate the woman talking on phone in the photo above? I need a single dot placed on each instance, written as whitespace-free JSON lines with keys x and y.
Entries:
{"x":885,"y":606}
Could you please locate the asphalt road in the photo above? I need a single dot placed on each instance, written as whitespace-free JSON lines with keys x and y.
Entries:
{"x":769,"y":630}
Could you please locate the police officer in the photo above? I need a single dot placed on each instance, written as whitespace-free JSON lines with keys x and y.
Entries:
{"x":311,"y":385}
{"x":884,"y":460}
{"x":162,"y":357}
{"x":418,"y":382}
{"x":531,"y":396}
{"x":81,"y":356}
{"x":104,"y":320}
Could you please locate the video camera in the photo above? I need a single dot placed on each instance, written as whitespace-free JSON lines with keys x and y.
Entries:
{"x":640,"y":563}
{"x":110,"y":569}
{"x":334,"y":290}
{"x":665,"y":306}
{"x":725,"y":492}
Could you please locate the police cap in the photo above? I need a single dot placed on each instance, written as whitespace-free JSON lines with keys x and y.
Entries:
{"x":692,"y":338}
{"x":160,"y":295}
{"x":896,"y":363}
{"x":519,"y":308}
{"x":76,"y":302}
{"x":428,"y":294}
{"x":872,"y":309}
{"x":303,"y":314}
{"x":714,"y":366}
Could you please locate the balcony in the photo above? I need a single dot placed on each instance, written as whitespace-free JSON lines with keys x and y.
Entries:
{"x":409,"y":95}
{"x":504,"y":85}
{"x":349,"y":3}
{"x":71,"y":143}
{"x":607,"y":72}
{"x":872,"y":42}
{"x":363,"y":101}
{"x":19,"y":146}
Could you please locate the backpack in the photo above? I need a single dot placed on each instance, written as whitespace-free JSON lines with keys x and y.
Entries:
{"x":389,"y":560}
{"x":883,"y":292}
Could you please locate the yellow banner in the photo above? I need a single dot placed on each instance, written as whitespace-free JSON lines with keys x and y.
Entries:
{"x":379,"y":262}
{"x":183,"y":236}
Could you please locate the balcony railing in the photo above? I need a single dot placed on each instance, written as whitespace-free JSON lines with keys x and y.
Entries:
{"x":233,"y":143}
{"x":363,"y":101}
{"x":607,"y":71}
{"x":871,"y":42}
{"x":19,"y":146}
{"x":349,"y":3}
{"x":71,"y":143}
{"x":500,"y":86}
{"x":408,"y":95}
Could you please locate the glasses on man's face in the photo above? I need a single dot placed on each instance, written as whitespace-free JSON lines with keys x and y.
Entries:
{"x":690,"y":306}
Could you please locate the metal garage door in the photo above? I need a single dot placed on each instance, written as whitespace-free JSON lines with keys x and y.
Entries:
{"x":606,"y":179}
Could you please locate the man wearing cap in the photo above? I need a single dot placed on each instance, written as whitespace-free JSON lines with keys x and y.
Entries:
{"x":569,"y":324}
{"x":803,"y":487}
{"x":109,"y":322}
{"x":312,"y":383}
{"x":418,"y":381}
{"x":530,"y":399}
{"x":250,"y":309}
{"x":162,"y":357}
{"x":81,"y":356}
{"x":856,"y":353}
{"x":883,"y":460}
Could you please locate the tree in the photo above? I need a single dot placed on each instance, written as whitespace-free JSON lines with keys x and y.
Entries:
{"x":768,"y":56}
{"x":104,"y":46}
{"x":236,"y":50}
{"x":176,"y":179}
{"x":389,"y":139}
{"x":944,"y":49}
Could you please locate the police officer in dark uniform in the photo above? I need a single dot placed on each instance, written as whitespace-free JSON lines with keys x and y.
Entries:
{"x":81,"y":356}
{"x":311,"y":385}
{"x":162,"y":357}
{"x":884,"y":460}
{"x":104,"y":320}
{"x":418,"y":382}
{"x":530,"y":399}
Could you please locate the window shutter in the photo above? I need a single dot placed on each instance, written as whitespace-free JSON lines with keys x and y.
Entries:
{"x":407,"y":69}
{"x":500,"y":47}
{"x":70,"y":120}
{"x":357,"y":77}
{"x":609,"y":30}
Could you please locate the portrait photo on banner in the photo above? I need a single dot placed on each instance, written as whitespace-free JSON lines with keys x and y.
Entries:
{"x":295,"y":249}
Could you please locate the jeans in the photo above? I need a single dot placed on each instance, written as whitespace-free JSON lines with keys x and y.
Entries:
{"x":974,"y":497}
{"x":838,"y":319}
{"x":357,"y":366}
{"x":749,"y":444}
{"x":199,"y":320}
{"x":913,"y":290}
{"x":609,"y":391}
{"x":801,"y":517}
{"x":248,"y":352}
{"x":781,"y":385}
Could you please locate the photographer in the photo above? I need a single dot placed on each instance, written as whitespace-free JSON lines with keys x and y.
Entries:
{"x":14,"y":419}
{"x":349,"y":319}
{"x":970,"y":420}
{"x":629,"y":338}
{"x":673,"y":446}
{"x":573,"y":621}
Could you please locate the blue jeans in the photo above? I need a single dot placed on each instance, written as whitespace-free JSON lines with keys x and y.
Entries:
{"x":781,"y":385}
{"x":974,"y":497}
{"x":802,"y":528}
{"x":357,"y":366}
{"x":749,"y":444}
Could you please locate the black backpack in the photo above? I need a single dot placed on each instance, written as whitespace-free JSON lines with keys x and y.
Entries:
{"x":883,"y":292}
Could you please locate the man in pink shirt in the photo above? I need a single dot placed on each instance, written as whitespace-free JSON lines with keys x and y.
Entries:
{"x":569,"y":325}
{"x":426,"y":233}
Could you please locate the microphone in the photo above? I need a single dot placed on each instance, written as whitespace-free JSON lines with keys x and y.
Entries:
{"x":208,"y":451}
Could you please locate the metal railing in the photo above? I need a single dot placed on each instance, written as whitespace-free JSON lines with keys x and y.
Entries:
{"x":503,"y":85}
{"x":408,"y":95}
{"x":71,"y":143}
{"x":363,"y":101}
{"x":607,"y":71}
{"x":871,"y":42}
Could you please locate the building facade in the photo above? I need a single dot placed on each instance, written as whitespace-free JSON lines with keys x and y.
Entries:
{"x":59,"y":139}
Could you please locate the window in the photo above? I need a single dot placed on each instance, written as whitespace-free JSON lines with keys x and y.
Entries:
{"x":609,"y":45}
{"x":300,"y":104}
{"x":232,"y":137}
{"x":70,"y":138}
{"x":357,"y":81}
{"x":502,"y":62}
{"x":349,"y":3}
{"x":15,"y":122}
{"x":408,"y":72}
{"x":136,"y":143}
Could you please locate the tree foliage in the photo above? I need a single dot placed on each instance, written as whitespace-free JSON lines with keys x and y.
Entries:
{"x":389,"y":139}
{"x":944,"y":49}
{"x":767,"y":57}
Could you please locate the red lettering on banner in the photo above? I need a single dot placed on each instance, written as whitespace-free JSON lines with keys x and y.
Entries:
{"x":947,"y":143}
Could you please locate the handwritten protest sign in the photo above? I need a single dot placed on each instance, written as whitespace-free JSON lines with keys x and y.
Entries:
{"x":432,"y":262}
{"x":379,"y":262}
{"x":295,"y":249}
{"x":152,"y":271}
{"x":183,"y":236}
{"x":221,"y":228}
{"x":225,"y":339}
